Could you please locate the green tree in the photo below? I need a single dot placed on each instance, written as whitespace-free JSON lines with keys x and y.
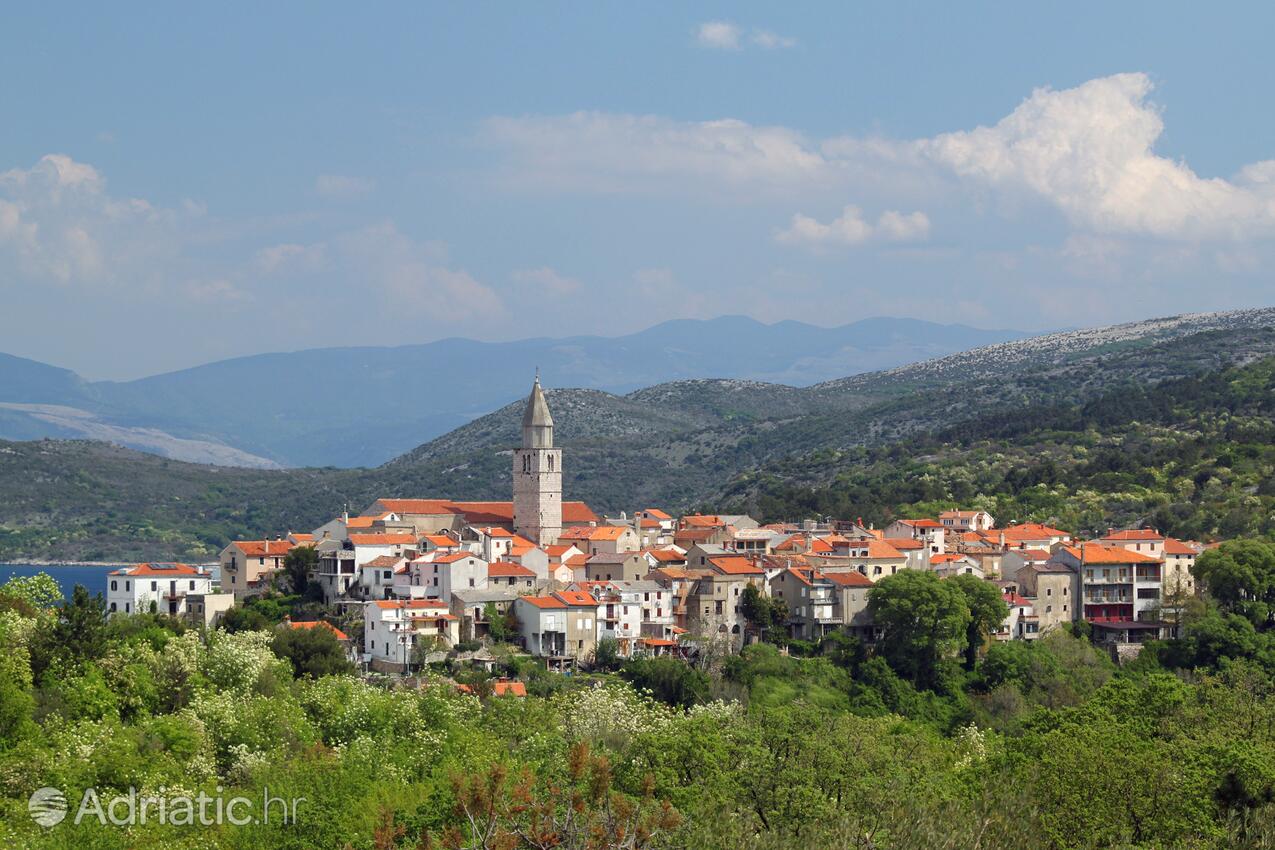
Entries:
{"x":313,"y":651}
{"x":988,"y":611}
{"x":923,"y":621}
{"x":668,"y":679}
{"x":298,"y":563}
{"x":761,"y":611}
{"x":501,"y":628}
{"x":40,"y":590}
{"x":1240,"y":575}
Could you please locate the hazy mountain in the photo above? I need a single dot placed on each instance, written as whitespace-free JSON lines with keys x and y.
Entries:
{"x":363,"y":406}
{"x":676,"y":445}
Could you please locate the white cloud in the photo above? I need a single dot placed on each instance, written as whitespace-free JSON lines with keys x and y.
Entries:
{"x":58,"y":224}
{"x":1086,"y":151}
{"x":768,"y":40}
{"x":1089,"y":151}
{"x":719,"y":35}
{"x":291,"y":258}
{"x":339,"y":186}
{"x":598,"y":151}
{"x":851,"y":228}
{"x":409,"y":276}
{"x":547,"y":280}
{"x":724,"y":35}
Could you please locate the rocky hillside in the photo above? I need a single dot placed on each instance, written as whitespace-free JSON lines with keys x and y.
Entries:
{"x":680,"y":445}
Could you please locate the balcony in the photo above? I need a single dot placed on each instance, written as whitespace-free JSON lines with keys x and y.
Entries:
{"x":1108,"y":599}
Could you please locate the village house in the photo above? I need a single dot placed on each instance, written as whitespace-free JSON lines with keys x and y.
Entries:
{"x":966,"y":520}
{"x":1121,"y":590}
{"x":247,"y":565}
{"x":1054,"y":589}
{"x":506,"y":574}
{"x":928,"y":531}
{"x":622,"y":566}
{"x":470,"y":606}
{"x":161,"y":587}
{"x":561,"y":627}
{"x":713,"y":604}
{"x":602,"y":539}
{"x":441,"y":575}
{"x":394,"y":629}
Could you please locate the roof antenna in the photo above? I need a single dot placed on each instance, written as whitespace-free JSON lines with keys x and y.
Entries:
{"x":537,"y":374}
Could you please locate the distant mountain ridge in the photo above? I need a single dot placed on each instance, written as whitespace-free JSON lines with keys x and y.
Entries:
{"x":680,"y":445}
{"x":362,"y":406}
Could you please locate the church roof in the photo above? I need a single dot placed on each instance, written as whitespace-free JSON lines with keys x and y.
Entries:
{"x":537,"y":413}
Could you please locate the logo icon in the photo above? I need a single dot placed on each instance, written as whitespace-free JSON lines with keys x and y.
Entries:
{"x":47,"y":806}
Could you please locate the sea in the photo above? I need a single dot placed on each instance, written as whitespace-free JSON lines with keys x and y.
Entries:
{"x":68,"y":576}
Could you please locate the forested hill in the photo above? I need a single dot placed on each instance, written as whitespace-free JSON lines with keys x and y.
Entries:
{"x":1194,"y":457}
{"x":679,"y":445}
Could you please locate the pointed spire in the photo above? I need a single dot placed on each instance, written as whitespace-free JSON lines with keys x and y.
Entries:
{"x":537,"y":422}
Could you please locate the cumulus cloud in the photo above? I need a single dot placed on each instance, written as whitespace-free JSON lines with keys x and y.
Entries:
{"x":1090,"y":151}
{"x":339,"y":186}
{"x":59,"y":224}
{"x":547,"y":281}
{"x":1087,"y":151}
{"x":724,"y":35}
{"x":851,"y":228}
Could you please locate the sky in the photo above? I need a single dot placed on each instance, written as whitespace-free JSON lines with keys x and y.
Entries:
{"x":180,"y":185}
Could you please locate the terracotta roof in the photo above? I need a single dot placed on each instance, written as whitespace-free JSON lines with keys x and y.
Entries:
{"x":479,"y":513}
{"x":897,"y":543}
{"x":819,"y":547}
{"x":875,"y":549}
{"x":381,"y":539}
{"x":958,"y":514}
{"x":261,"y":548}
{"x":158,"y":569}
{"x":694,"y":535}
{"x":1033,"y":554}
{"x":665,"y":555}
{"x":576,"y":598}
{"x":799,"y":575}
{"x":496,"y":531}
{"x":649,"y":523}
{"x":735,"y":565}
{"x":340,"y":635}
{"x":555,"y":550}
{"x":452,"y":557}
{"x":1134,"y":534}
{"x":702,"y":521}
{"x":576,"y":560}
{"x":299,"y":537}
{"x":1095,"y":553}
{"x":946,"y":558}
{"x":383,"y":561}
{"x":658,"y":642}
{"x":410,"y":604}
{"x":848,"y":579}
{"x":505,"y":569}
{"x":1173,"y":546}
{"x":1027,"y":530}
{"x":359,"y":522}
{"x":600,"y":532}
{"x":543,"y":601}
{"x":1018,"y":601}
{"x":656,"y":513}
{"x":922,"y":523}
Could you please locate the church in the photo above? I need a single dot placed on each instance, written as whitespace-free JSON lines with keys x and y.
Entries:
{"x":537,"y":511}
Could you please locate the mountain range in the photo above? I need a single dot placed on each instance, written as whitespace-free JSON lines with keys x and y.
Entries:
{"x":349,"y":407}
{"x":677,"y":445}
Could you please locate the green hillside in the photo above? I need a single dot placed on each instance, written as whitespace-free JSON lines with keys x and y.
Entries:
{"x":978,"y":427}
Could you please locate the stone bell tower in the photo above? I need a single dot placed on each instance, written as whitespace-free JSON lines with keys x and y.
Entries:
{"x":538,"y":474}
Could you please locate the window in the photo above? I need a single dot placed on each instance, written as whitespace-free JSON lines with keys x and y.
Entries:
{"x":113,"y":585}
{"x":1049,"y":591}
{"x":126,"y":607}
{"x":112,"y":606}
{"x":192,"y":584}
{"x":154,"y":585}
{"x":128,"y":585}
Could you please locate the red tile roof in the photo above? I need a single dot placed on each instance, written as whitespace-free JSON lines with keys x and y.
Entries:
{"x":1173,"y":546}
{"x":263,"y":548}
{"x":478,"y":513}
{"x":323,"y":624}
{"x":656,"y":513}
{"x":601,"y":532}
{"x":158,"y":569}
{"x":1095,"y":553}
{"x":382,"y":539}
{"x":848,"y":579}
{"x":381,"y":561}
{"x":735,"y":565}
{"x":1135,"y":534}
{"x":505,"y":569}
{"x":702,"y":521}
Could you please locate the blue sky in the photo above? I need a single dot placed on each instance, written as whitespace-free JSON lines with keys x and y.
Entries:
{"x":184,"y":185}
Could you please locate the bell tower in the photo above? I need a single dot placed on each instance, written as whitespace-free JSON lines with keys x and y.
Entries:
{"x":538,"y":474}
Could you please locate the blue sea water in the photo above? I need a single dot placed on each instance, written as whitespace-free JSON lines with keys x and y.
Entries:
{"x":93,"y":578}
